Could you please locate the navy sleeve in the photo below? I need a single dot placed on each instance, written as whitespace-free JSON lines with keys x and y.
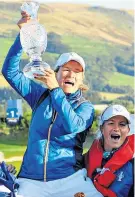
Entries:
{"x":124,"y":180}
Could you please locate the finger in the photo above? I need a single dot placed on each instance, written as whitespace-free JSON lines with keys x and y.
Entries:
{"x":26,"y":18}
{"x":5,"y":170}
{"x":40,"y":78}
{"x":45,"y":71}
{"x":23,"y":13}
{"x":39,"y":75}
{"x":23,"y":20}
{"x":11,"y":169}
{"x":49,"y":72}
{"x":14,"y":172}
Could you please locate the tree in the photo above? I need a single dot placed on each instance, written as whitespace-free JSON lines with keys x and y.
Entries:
{"x":54,"y":44}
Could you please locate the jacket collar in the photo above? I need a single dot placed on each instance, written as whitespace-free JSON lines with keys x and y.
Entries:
{"x":74,"y":96}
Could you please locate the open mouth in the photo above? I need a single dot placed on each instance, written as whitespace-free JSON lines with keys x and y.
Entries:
{"x":115,"y":136}
{"x":69,"y":83}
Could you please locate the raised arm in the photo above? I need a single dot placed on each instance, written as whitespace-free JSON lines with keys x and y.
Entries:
{"x":27,"y":88}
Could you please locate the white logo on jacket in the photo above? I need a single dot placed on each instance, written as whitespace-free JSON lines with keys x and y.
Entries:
{"x":120,"y":176}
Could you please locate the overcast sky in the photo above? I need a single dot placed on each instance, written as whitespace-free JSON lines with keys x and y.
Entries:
{"x":117,"y":4}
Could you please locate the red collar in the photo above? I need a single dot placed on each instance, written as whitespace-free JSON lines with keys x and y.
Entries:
{"x":120,"y":157}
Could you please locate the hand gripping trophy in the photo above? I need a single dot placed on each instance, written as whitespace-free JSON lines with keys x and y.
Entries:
{"x":33,"y":38}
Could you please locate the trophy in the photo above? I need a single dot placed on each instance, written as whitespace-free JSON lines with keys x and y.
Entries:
{"x":33,"y":39}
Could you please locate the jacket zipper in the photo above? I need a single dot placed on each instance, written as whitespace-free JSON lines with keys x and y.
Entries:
{"x":47,"y":146}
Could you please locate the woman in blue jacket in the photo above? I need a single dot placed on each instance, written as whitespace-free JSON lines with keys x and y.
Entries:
{"x":58,"y":126}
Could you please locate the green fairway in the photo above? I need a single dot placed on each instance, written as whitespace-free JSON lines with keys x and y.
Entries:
{"x":88,"y":46}
{"x":12,"y":150}
{"x":13,"y":153}
{"x":5,"y":43}
{"x":110,"y":96}
{"x":118,"y":79}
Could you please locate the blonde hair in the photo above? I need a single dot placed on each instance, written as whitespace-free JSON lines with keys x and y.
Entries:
{"x":84,"y":87}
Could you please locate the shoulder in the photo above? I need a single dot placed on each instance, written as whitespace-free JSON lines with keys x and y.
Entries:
{"x":85,"y":108}
{"x":124,"y":180}
{"x":82,"y":102}
{"x":125,"y":172}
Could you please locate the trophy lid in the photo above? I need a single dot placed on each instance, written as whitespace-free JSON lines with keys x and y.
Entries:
{"x":31,"y":8}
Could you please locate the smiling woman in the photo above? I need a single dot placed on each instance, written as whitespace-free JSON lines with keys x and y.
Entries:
{"x":69,"y":70}
{"x":114,"y":126}
{"x":70,"y":76}
{"x":55,"y":144}
{"x":109,"y":160}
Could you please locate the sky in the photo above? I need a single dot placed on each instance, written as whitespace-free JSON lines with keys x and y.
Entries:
{"x":116,"y":4}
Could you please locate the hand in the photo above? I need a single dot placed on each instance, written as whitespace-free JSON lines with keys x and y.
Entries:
{"x":24,"y":20}
{"x":7,"y":180}
{"x":79,"y":194}
{"x":49,"y":78}
{"x":11,"y":169}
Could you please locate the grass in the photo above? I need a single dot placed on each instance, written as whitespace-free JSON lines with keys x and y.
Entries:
{"x":6,"y":44}
{"x":110,"y":96}
{"x":10,"y":150}
{"x":82,"y":28}
{"x":3,"y":82}
{"x":119,"y":79}
{"x":88,"y":46}
{"x":13,"y":151}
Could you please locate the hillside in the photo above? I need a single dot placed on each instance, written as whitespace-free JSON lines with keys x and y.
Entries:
{"x":74,"y":19}
{"x":103,"y":37}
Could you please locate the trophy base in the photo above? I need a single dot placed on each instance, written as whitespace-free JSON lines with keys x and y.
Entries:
{"x":35,"y":67}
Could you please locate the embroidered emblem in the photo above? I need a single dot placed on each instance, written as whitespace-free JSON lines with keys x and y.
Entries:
{"x":120,"y":176}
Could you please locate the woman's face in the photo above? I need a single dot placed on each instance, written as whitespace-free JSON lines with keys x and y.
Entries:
{"x":70,"y":76}
{"x":115,"y":131}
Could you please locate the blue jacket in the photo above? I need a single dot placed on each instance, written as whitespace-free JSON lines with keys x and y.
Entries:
{"x":54,"y":150}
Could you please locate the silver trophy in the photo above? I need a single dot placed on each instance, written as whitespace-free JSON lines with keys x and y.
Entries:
{"x":33,"y":38}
